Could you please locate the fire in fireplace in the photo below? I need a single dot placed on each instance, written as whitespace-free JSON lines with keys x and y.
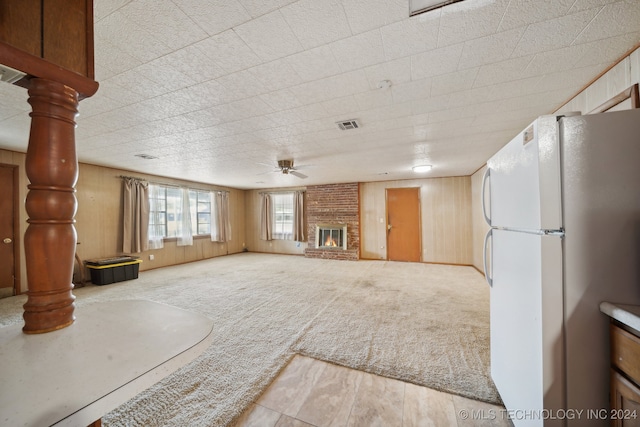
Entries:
{"x":331,"y":236}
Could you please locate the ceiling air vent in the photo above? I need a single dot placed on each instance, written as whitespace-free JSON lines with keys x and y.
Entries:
{"x":348,"y":124}
{"x":9,"y":75}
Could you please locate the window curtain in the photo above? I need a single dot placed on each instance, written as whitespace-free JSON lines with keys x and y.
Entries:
{"x":183,"y":213}
{"x":135,"y":224}
{"x":220,"y":221}
{"x":156,"y":231}
{"x":266,"y":217}
{"x":298,"y":216}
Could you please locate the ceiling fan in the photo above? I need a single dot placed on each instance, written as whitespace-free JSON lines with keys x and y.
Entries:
{"x":286,"y":167}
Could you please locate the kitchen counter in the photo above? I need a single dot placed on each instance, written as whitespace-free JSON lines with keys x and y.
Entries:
{"x":628,"y":315}
{"x":113,"y":351}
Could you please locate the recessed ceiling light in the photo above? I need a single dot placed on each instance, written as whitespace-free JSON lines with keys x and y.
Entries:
{"x":421,"y":168}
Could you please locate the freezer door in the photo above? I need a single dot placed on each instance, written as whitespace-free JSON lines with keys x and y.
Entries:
{"x":523,"y":180}
{"x":526,"y":324}
{"x":601,"y":175}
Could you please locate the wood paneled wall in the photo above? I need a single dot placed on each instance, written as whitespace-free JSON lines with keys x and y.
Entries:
{"x":252,"y":221}
{"x":445,"y":215}
{"x":99,"y":218}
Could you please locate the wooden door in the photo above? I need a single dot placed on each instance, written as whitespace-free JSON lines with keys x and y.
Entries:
{"x":403,"y":224}
{"x":8,"y":234}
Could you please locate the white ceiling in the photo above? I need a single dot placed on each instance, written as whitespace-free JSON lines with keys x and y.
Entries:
{"x":220,"y":90}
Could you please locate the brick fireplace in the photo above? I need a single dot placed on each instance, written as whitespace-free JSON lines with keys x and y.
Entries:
{"x":333,"y":207}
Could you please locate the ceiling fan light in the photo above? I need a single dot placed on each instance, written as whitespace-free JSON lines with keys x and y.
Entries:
{"x":421,"y":168}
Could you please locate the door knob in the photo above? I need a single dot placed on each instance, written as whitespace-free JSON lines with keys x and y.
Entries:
{"x":7,"y":240}
{"x":388,"y":227}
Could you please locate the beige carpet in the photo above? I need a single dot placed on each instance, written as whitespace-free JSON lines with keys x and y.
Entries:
{"x":423,"y":323}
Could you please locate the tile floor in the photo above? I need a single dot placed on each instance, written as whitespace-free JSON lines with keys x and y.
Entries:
{"x":311,"y":392}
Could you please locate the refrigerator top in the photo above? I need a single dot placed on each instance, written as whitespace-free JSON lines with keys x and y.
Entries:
{"x":523,"y":180}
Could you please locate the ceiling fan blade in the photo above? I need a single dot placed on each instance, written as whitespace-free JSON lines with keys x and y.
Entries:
{"x":298,"y":174}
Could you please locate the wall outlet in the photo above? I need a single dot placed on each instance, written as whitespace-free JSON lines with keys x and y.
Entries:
{"x":151,"y":257}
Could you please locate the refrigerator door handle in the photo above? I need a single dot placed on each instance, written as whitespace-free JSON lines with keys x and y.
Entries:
{"x":485,"y":178}
{"x":487,"y":272}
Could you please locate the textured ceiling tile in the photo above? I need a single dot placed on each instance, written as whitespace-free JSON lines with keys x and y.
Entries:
{"x":613,"y":20}
{"x":110,"y":60}
{"x":589,"y":4}
{"x":269,"y":36}
{"x":130,"y":38}
{"x":408,"y":37}
{"x":231,"y":108}
{"x":359,"y":51}
{"x":341,"y":106}
{"x":317,"y":22}
{"x":164,"y":21}
{"x":374,"y":99}
{"x":509,"y":70}
{"x":331,"y":87}
{"x":435,"y":62}
{"x":552,"y":61}
{"x":453,"y":82}
{"x":193,"y":58}
{"x":553,"y":34}
{"x":260,"y":7}
{"x":365,"y":15}
{"x":606,"y":51}
{"x":13,"y":101}
{"x":411,"y":91}
{"x":102,"y":9}
{"x":468,"y":20}
{"x":110,"y":93}
{"x":202,"y":95}
{"x":397,"y":72}
{"x":282,"y":118}
{"x":490,"y":49}
{"x":241,"y":85}
{"x":569,"y":81}
{"x":139,"y":83}
{"x":250,"y":107}
{"x":523,"y":13}
{"x":314,"y":64}
{"x":215,"y":16}
{"x":165,"y":75}
{"x":282,"y":99}
{"x":229,"y":52}
{"x":311,"y":112}
{"x":276,"y":75}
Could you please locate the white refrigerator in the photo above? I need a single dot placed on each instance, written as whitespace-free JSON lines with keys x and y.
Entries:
{"x":563,"y":202}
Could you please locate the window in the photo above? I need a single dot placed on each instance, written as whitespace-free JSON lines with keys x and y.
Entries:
{"x":200,"y":206}
{"x":166,"y":207}
{"x":157,"y":211}
{"x":282,"y":216}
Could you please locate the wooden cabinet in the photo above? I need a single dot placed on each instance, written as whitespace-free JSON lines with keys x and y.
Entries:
{"x":625,"y":377}
{"x":59,"y":32}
